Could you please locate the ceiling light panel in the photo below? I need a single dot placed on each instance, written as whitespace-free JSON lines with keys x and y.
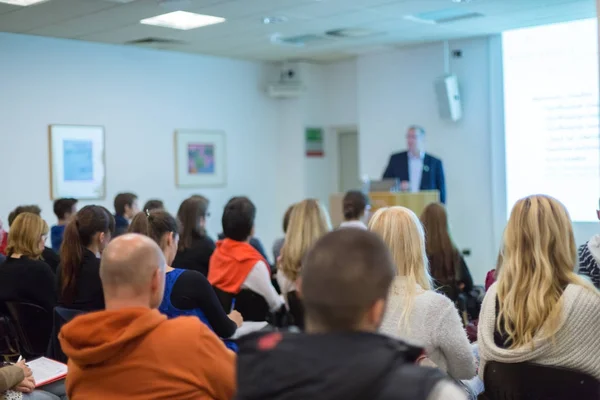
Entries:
{"x":22,"y":2}
{"x":182,"y":20}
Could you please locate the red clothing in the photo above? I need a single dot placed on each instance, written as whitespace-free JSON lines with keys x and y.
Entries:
{"x":490,"y":278}
{"x":3,"y":241}
{"x":231,"y":263}
{"x":137,"y":354}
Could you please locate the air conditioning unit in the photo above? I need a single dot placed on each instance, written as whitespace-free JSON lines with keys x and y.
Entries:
{"x":282,"y":90}
{"x":289,"y":85}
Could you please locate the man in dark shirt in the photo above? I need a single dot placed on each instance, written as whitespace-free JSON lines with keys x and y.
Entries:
{"x":126,"y":207}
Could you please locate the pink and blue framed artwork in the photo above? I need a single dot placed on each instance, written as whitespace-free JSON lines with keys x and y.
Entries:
{"x":200,"y":158}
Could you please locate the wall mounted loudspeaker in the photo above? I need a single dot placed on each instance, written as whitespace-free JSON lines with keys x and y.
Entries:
{"x":448,"y":98}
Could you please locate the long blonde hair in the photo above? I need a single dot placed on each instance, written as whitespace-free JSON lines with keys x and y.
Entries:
{"x":308,"y":222}
{"x":403,"y":233}
{"x":538,"y":261}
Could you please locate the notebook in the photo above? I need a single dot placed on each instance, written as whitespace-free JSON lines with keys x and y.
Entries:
{"x":46,"y":370}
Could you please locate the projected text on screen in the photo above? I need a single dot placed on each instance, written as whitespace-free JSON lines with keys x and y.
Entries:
{"x":551,"y":115}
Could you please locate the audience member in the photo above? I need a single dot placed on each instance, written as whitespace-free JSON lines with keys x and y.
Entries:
{"x":17,"y":382}
{"x":589,"y":258}
{"x":64,"y":209}
{"x":416,"y":312}
{"x":153,"y":204}
{"x":130,"y":350}
{"x":195,"y":247}
{"x":187,"y":292}
{"x":126,"y":207}
{"x":24,"y":277}
{"x":540,"y":311}
{"x":279,"y":242}
{"x":308,"y":222}
{"x":235,"y":264}
{"x":78,"y":279}
{"x":356,"y":208}
{"x":446,"y":265}
{"x":254,"y":241}
{"x":48,"y":255}
{"x":341,"y":356}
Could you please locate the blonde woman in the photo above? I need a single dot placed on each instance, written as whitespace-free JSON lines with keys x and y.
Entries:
{"x":540,"y":310}
{"x":24,"y":276}
{"x":308,"y":222}
{"x":415,"y":312}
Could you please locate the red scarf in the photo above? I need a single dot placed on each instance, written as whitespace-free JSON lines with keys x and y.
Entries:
{"x":231,"y":263}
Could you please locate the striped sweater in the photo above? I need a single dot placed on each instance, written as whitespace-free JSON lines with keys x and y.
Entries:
{"x":576,"y":343}
{"x":589,"y":260}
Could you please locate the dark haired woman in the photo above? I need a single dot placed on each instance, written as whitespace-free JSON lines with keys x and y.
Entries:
{"x":446,"y":265}
{"x":356,"y":210}
{"x":186,"y":292}
{"x":78,"y":275}
{"x":195,"y":247}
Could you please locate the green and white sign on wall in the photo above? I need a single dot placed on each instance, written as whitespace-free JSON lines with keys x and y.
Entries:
{"x":314,"y":142}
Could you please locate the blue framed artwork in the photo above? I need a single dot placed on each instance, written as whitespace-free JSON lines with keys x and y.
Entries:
{"x":77,"y":166}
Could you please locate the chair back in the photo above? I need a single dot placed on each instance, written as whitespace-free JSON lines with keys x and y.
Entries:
{"x":61,"y":317}
{"x":33,"y":326}
{"x":527,"y":381}
{"x":226,"y":299}
{"x":252,"y":306}
{"x":296,"y":309}
{"x":9,"y":340}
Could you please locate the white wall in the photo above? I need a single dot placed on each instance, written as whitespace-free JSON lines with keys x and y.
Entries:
{"x":395,"y":90}
{"x":140,"y":97}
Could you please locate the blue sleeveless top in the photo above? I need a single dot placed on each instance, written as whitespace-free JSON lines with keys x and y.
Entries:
{"x":168,"y":309}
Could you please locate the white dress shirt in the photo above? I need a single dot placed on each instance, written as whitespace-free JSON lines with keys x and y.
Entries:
{"x":415,"y":171}
{"x":259,"y":281}
{"x":357,"y":224}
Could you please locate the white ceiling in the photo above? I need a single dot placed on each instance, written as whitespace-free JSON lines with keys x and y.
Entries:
{"x":245,"y":36}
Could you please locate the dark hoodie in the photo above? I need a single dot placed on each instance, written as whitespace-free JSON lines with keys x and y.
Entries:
{"x":336,"y":366}
{"x":137,"y":354}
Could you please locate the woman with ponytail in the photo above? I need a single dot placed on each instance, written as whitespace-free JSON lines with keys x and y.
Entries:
{"x":356,"y":210}
{"x":78,"y":276}
{"x":187,"y":292}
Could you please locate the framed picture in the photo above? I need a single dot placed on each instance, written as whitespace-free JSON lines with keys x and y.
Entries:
{"x":200,"y":158}
{"x":77,"y":166}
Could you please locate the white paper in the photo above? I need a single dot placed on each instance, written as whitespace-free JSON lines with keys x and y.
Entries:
{"x":249,"y":327}
{"x":45,"y":369}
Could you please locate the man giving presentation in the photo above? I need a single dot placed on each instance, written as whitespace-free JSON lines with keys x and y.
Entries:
{"x":416,"y":169}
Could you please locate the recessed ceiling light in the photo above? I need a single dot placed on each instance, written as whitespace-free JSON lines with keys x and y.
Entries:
{"x":22,"y":2}
{"x":278,"y":19}
{"x":182,"y":20}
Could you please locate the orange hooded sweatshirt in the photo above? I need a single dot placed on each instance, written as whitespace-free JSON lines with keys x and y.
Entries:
{"x":230,"y":264}
{"x":137,"y":354}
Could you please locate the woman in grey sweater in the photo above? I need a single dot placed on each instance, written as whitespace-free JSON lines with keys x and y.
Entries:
{"x":540,"y":310}
{"x":415,"y":312}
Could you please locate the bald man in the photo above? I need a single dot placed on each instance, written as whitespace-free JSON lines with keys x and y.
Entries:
{"x":130,"y":351}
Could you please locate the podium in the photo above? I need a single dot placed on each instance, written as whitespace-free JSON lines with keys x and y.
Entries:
{"x":413,"y":201}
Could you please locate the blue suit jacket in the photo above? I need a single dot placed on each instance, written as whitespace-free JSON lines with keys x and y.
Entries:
{"x":433,"y":172}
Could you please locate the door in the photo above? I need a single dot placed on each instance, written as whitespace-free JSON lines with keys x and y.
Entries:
{"x":349,"y":178}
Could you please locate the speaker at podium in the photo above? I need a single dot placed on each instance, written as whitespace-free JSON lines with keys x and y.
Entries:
{"x":383,"y":194}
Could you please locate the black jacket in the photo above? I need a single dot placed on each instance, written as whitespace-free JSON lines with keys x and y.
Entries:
{"x":121,"y":225}
{"x":88,"y":287}
{"x":196,"y":257}
{"x":432,"y":177}
{"x":337,"y":366}
{"x":51,"y":258}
